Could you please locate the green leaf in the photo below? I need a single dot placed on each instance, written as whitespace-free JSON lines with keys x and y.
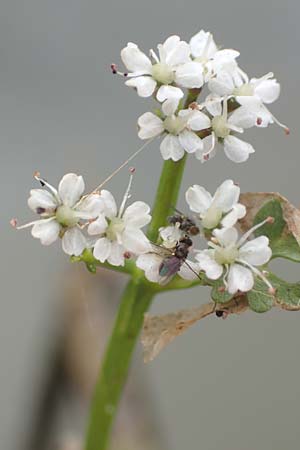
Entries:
{"x":260,"y":300}
{"x":271,"y":230}
{"x":287,"y":294}
{"x":219,"y":293}
{"x":282,"y":242}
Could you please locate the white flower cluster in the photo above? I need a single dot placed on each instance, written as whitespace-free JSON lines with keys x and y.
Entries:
{"x":113,"y":234}
{"x":228,"y":256}
{"x":234,"y":102}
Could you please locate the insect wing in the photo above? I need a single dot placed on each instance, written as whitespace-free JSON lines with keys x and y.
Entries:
{"x":168,"y":268}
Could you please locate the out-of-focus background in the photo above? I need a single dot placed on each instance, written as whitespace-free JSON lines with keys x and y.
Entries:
{"x":230,"y":385}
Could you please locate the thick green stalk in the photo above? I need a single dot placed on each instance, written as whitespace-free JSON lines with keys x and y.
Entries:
{"x":135,"y":302}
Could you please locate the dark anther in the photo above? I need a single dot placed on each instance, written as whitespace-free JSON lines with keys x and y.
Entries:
{"x":219,"y":313}
{"x":40,"y":210}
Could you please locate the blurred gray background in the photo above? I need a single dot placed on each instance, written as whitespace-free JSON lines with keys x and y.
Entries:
{"x":230,"y":385}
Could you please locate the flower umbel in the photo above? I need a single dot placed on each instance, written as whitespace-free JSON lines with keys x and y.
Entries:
{"x":221,"y":209}
{"x":117,"y":232}
{"x":63,"y":212}
{"x":236,"y":259}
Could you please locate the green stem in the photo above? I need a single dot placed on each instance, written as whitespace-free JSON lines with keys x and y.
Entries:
{"x":136,"y":301}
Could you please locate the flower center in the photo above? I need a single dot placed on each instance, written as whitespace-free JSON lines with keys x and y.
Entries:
{"x":163,"y":73}
{"x":211,"y":218}
{"x":115,"y":227}
{"x":174,"y":125}
{"x":219,"y":125}
{"x":246,"y":89}
{"x":226,"y":255}
{"x":66,"y":216}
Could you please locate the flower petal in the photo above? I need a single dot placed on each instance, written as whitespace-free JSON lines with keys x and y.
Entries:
{"x":116,"y":257}
{"x":226,"y":196}
{"x":135,"y":241}
{"x":198,"y":199}
{"x":190,"y":75}
{"x":239,"y":279}
{"x":40,"y":198}
{"x":137,"y":215}
{"x":145,"y":86}
{"x":189,"y":270}
{"x":150,"y":263}
{"x":190,"y":141}
{"x":226,"y":236}
{"x":47,"y":231}
{"x":70,"y":189}
{"x":237,"y":150}
{"x":203,"y":45}
{"x":222,"y":84}
{"x":207,"y":263}
{"x":243,"y":117}
{"x":199,"y":121}
{"x":98,"y":226}
{"x":135,"y":60}
{"x":102,"y":249}
{"x":267,"y":90}
{"x":109,"y":204}
{"x":256,"y":252}
{"x":90,"y":207}
{"x":149,"y":126}
{"x":171,"y":148}
{"x":238,"y":212}
{"x":73,"y":242}
{"x":176,"y":52}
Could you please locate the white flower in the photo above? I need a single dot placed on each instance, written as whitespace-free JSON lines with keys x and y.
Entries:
{"x":119,"y":232}
{"x":205,"y":51}
{"x":152,"y":262}
{"x":181,"y":131}
{"x":222,"y":125}
{"x":221,"y":209}
{"x":173,"y":65}
{"x":62,"y":212}
{"x":237,"y":257}
{"x":253,"y":94}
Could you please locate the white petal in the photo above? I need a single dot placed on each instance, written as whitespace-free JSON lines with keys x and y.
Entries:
{"x":190,"y":75}
{"x":149,"y":126}
{"x":190,"y":141}
{"x":198,"y":199}
{"x":189,"y":270}
{"x":135,"y":241}
{"x":243,"y":117}
{"x":179,"y":54}
{"x":236,"y":149}
{"x":171,"y":43}
{"x":40,"y":198}
{"x":222,"y":84}
{"x":213,"y":104}
{"x":199,"y":44}
{"x":165,"y":92}
{"x":137,"y":215}
{"x":47,"y":231}
{"x":116,"y":257}
{"x":267,"y":90}
{"x":135,"y":60}
{"x":226,"y":196}
{"x":98,"y":226}
{"x":73,"y":242}
{"x":102,"y":249}
{"x":256,"y":252}
{"x":90,"y":207}
{"x":208,"y":149}
{"x":238,"y":212}
{"x":225,"y":60}
{"x":109,"y":204}
{"x":171,"y":149}
{"x":207,"y":263}
{"x":170,"y":106}
{"x":70,"y":189}
{"x":150,"y":264}
{"x":199,"y":121}
{"x":226,"y":236}
{"x":145,"y":86}
{"x":239,"y":279}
